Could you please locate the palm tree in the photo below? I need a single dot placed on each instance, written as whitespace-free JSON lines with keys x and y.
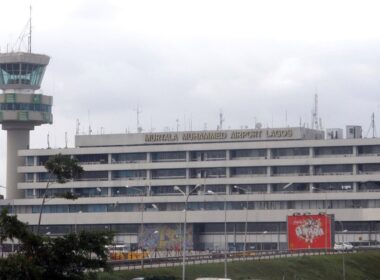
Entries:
{"x":61,"y":168}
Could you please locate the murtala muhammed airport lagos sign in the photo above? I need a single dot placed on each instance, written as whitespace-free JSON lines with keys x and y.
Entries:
{"x":231,"y":135}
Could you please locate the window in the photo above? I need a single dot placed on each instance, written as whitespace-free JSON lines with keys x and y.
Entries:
{"x":128,"y":157}
{"x":291,"y":170}
{"x":168,"y":156}
{"x":289,"y":152}
{"x":330,"y":151}
{"x":333,"y":169}
{"x":128,"y":174}
{"x":208,"y":172}
{"x":369,"y":150}
{"x":29,"y":161}
{"x":168,"y":173}
{"x":92,"y":158}
{"x":207,"y":155}
{"x":248,"y":171}
{"x":248,"y":153}
{"x":93,"y":176}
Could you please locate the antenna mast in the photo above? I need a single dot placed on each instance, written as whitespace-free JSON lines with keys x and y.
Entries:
{"x":314,"y":114}
{"x":30,"y":30}
{"x":372,"y":126}
{"x":139,"y":128}
{"x":221,"y":121}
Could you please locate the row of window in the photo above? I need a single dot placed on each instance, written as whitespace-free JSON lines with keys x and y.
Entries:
{"x":219,"y":189}
{"x":209,"y":228}
{"x":21,"y":73}
{"x":300,"y":205}
{"x":25,"y":107}
{"x":219,"y":172}
{"x":215,"y":155}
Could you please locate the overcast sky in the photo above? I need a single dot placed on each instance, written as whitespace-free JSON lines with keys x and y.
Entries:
{"x":184,"y":62}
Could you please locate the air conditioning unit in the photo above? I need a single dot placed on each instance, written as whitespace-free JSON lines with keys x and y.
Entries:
{"x":353,"y":131}
{"x":334,"y":133}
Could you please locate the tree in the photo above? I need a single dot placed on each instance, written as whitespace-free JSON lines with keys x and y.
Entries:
{"x":61,"y":168}
{"x":38,"y":257}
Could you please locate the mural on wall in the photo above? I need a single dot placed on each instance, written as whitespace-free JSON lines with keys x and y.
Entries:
{"x":309,"y":231}
{"x":165,"y":237}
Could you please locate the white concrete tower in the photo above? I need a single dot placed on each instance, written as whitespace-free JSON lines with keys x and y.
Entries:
{"x":21,"y":108}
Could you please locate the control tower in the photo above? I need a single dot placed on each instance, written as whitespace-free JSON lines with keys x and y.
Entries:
{"x":21,"y":109}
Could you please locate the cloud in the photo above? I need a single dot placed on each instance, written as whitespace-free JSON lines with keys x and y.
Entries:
{"x":188,"y":61}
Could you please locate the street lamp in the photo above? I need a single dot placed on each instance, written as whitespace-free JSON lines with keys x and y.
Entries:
{"x":246,"y":218}
{"x":142,"y":223}
{"x":318,"y":189}
{"x":225,"y":231}
{"x":76,"y":220}
{"x":264,"y":232}
{"x":186,"y":196}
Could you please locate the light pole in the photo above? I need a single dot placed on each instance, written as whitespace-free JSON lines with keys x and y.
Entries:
{"x":326,"y":220}
{"x":264,"y":232}
{"x":225,"y":231}
{"x":343,"y":260}
{"x":142,"y":223}
{"x":186,"y":196}
{"x":246,"y":217}
{"x":76,"y":220}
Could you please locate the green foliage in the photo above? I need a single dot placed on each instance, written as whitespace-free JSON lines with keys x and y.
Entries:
{"x":358,"y":266}
{"x":160,"y":277}
{"x":68,"y":195}
{"x":63,"y":168}
{"x":19,"y":267}
{"x":66,"y":257}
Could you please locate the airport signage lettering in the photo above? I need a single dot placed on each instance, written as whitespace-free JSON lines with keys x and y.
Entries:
{"x":258,"y":134}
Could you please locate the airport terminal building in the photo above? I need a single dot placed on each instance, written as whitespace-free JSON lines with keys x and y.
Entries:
{"x":239,"y":186}
{"x":250,"y":180}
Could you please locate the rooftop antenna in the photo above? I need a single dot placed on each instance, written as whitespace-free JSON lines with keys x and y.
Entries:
{"x":89,"y":123}
{"x":77,"y":127}
{"x":221,"y":120}
{"x":177,"y":121}
{"x":139,"y":128}
{"x":372,"y":126}
{"x":314,"y":114}
{"x":48,"y":141}
{"x":66,"y":140}
{"x":30,"y":30}
{"x":286,"y":118}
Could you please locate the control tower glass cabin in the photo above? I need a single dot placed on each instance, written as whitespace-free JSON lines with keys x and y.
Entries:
{"x":21,"y":108}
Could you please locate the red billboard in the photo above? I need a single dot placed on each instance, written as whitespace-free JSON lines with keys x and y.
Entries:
{"x":309,"y":232}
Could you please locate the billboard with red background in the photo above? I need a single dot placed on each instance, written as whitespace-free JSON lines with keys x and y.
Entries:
{"x":309,"y":232}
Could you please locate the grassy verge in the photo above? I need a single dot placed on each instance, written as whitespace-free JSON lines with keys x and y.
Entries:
{"x":360,"y":266}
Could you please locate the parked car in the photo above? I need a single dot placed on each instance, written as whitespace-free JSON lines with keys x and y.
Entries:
{"x":343,"y":246}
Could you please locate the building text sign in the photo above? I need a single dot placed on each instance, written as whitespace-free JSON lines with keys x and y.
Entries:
{"x":232,"y":135}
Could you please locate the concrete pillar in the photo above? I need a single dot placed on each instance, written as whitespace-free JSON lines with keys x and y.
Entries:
{"x":149,"y":157}
{"x":17,"y":139}
{"x":311,"y":152}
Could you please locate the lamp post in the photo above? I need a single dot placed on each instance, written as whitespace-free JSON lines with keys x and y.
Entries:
{"x":343,"y":260}
{"x":186,"y":196}
{"x":326,"y":220}
{"x":142,"y":223}
{"x":264,"y":232}
{"x":225,"y":231}
{"x":246,"y":218}
{"x":76,"y":220}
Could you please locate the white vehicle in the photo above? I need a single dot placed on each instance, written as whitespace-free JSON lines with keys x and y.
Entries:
{"x":343,"y":246}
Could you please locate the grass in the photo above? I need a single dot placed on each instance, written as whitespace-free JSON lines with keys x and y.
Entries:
{"x":359,"y":266}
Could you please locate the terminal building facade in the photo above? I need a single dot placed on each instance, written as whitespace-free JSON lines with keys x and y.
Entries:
{"x":239,"y":186}
{"x":248,"y":180}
